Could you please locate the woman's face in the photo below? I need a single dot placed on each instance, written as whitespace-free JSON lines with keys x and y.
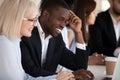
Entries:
{"x":91,"y":18}
{"x":28,"y":24}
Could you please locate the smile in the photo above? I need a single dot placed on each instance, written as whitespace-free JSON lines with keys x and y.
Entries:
{"x":59,"y":29}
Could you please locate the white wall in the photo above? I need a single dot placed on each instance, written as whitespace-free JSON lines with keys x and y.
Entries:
{"x":102,"y":5}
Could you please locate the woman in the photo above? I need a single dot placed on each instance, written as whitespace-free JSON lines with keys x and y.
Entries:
{"x":85,"y":10}
{"x":17,"y":19}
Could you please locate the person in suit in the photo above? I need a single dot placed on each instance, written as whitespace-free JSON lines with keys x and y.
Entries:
{"x":45,"y":49}
{"x":105,"y":33}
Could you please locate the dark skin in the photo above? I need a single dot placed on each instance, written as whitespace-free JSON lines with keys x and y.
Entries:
{"x":57,"y":18}
{"x":54,"y":19}
{"x":115,"y":9}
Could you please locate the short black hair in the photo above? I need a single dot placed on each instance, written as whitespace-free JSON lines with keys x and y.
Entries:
{"x":70,"y":2}
{"x":50,"y":4}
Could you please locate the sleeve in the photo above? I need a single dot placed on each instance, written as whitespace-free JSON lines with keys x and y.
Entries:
{"x":74,"y":61}
{"x":52,"y":77}
{"x":81,"y":46}
{"x":9,"y":66}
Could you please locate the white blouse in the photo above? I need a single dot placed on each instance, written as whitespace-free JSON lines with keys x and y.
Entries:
{"x":10,"y":61}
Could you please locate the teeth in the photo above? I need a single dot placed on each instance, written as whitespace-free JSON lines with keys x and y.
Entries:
{"x":59,"y":30}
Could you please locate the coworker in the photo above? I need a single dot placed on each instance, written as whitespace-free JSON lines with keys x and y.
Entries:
{"x":45,"y":49}
{"x":105,"y":33}
{"x":85,"y":10}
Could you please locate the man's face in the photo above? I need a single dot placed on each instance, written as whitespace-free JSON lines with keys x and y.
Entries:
{"x":116,"y":7}
{"x":56,"y":20}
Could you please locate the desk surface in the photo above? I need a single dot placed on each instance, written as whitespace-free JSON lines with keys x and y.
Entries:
{"x":99,"y":71}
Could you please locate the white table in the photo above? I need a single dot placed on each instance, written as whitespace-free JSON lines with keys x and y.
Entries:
{"x":99,"y":71}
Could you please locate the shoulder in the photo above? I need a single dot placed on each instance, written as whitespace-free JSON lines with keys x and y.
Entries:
{"x":5,"y":45}
{"x":103,"y":15}
{"x":4,"y":41}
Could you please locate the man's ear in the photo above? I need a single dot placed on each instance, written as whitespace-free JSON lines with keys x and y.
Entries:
{"x":45,"y":13}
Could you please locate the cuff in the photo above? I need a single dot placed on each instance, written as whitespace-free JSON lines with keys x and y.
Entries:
{"x":81,"y":46}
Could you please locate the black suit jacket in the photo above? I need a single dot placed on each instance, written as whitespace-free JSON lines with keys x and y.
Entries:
{"x":57,"y":53}
{"x":102,"y":35}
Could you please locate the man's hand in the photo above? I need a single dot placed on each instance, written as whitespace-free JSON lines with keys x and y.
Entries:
{"x":65,"y":75}
{"x":83,"y":75}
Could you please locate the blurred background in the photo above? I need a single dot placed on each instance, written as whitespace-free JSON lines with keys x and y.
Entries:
{"x":102,"y":5}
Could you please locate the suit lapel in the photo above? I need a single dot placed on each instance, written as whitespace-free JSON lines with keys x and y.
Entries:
{"x":37,"y":45}
{"x":50,"y":51}
{"x":110,"y":27}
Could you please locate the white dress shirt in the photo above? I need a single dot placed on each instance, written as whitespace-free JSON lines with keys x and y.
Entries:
{"x":116,"y":25}
{"x":44,"y":42}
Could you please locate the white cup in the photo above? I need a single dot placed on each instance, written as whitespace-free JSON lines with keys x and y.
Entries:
{"x":110,"y":63}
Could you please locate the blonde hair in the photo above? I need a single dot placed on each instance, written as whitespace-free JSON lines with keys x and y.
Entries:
{"x":12,"y":13}
{"x":1,"y":2}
